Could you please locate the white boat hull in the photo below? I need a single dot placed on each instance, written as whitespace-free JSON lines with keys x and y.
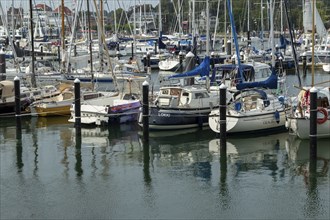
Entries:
{"x":248,"y":122}
{"x":301,"y":127}
{"x":326,"y":67}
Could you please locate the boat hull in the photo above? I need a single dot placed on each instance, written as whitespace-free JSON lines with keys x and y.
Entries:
{"x":301,"y":127}
{"x":121,"y":112}
{"x":240,"y":123}
{"x":176,"y":118}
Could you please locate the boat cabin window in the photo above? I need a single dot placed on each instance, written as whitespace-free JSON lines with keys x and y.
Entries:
{"x":164,"y":92}
{"x":248,"y":76}
{"x":175,"y":92}
{"x":200,"y":95}
{"x":323,"y":101}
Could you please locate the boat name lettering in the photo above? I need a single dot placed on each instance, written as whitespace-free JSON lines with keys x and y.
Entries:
{"x":268,"y":122}
{"x":164,"y":115}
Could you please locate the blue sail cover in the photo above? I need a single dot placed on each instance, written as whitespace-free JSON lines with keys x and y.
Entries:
{"x":270,"y":83}
{"x":202,"y":70}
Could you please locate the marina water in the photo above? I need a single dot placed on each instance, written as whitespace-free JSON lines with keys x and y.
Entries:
{"x":47,"y":173}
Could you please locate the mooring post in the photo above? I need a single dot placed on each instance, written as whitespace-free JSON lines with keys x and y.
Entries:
{"x":228,"y":47}
{"x":181,"y":60}
{"x":222,"y":109}
{"x":145,"y":62}
{"x":223,"y":130}
{"x":74,"y":50}
{"x":313,"y":128}
{"x":304,"y":59}
{"x":17,"y":96}
{"x":132,"y":50}
{"x":190,"y":63}
{"x":59,"y":54}
{"x":145,"y":111}
{"x":2,"y":65}
{"x":118,"y":55}
{"x":212,"y":60}
{"x":156,"y":46}
{"x":42,"y":52}
{"x":77,"y":106}
{"x":148,"y":62}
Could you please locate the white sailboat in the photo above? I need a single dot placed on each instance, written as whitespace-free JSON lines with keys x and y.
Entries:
{"x":298,"y":121}
{"x":253,"y":107}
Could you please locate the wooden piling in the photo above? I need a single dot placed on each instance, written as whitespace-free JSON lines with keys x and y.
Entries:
{"x":77,"y":106}
{"x":148,"y":62}
{"x":2,"y":65}
{"x":304,"y":59}
{"x":313,"y":128}
{"x":222,"y":110}
{"x":145,"y":111}
{"x":228,"y":47}
{"x":17,"y":97}
{"x":181,"y":61}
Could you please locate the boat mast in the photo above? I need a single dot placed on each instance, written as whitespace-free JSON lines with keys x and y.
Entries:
{"x":63,"y":35}
{"x":207,"y":29}
{"x":90,"y":40}
{"x":313,"y":41}
{"x":292,"y":40}
{"x":33,"y":78}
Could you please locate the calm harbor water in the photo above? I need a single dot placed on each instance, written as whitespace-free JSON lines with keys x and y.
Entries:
{"x":48,"y":172}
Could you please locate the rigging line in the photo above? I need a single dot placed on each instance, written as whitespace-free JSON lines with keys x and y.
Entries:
{"x":292,"y":42}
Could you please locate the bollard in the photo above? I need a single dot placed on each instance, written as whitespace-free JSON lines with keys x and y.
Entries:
{"x":212,"y":61}
{"x":222,"y":110}
{"x":77,"y":107}
{"x":181,"y":61}
{"x":17,"y":97}
{"x":228,"y":47}
{"x":304,"y":59}
{"x":132,"y":50}
{"x":42,"y":52}
{"x":148,"y":62}
{"x":118,"y":54}
{"x":190,"y":64}
{"x":2,"y":65}
{"x":75,"y":50}
{"x":59,"y":55}
{"x":144,"y":62}
{"x":145,"y":111}
{"x":313,"y":128}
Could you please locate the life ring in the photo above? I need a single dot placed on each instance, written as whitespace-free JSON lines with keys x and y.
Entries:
{"x":325,"y":115}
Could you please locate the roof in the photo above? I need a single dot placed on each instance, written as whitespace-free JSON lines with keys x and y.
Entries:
{"x":67,"y":11}
{"x":43,"y":7}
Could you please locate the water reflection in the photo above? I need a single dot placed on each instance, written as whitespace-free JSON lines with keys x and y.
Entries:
{"x":252,"y":153}
{"x":19,"y":148}
{"x":184,"y":149}
{"x":299,"y":158}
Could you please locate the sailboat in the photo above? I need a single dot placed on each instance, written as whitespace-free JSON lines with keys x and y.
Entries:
{"x":253,"y":108}
{"x":298,"y":121}
{"x":183,"y":106}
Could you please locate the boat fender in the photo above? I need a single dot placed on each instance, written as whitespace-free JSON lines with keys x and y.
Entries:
{"x":325,"y":115}
{"x":277,"y":116}
{"x":238,"y":106}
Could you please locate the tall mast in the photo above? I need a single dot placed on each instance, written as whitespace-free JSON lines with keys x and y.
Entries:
{"x":207,"y":29}
{"x":63,"y":35}
{"x":90,"y":40}
{"x":33,"y":78}
{"x":160,"y":27}
{"x":313,"y":42}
